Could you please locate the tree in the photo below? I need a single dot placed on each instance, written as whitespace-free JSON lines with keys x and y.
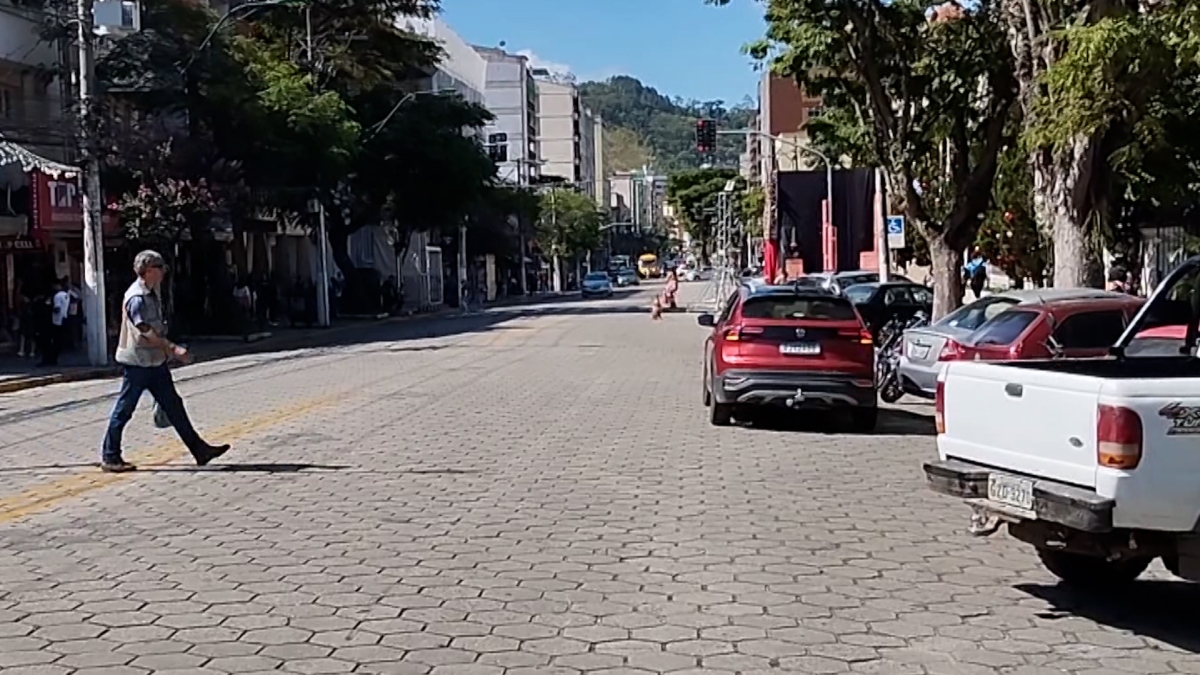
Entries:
{"x":570,"y":223}
{"x":934,"y":97}
{"x":1111,"y":96}
{"x":694,"y":194}
{"x":1009,"y":235}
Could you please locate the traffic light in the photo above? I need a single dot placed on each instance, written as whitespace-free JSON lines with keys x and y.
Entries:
{"x":706,"y":136}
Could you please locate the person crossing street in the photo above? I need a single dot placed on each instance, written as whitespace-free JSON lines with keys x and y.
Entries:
{"x":144,"y":351}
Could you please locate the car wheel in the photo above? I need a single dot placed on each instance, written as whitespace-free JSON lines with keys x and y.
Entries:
{"x":864,"y":420}
{"x":707,"y":395}
{"x":719,"y":414}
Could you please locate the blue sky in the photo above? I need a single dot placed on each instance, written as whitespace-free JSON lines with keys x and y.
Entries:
{"x":680,"y":47}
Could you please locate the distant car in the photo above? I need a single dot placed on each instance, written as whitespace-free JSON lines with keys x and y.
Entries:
{"x":791,"y":348}
{"x":838,"y":282}
{"x":920,"y":360}
{"x":626,"y":277}
{"x":879,"y":302}
{"x":696,"y":274}
{"x":597,"y":284}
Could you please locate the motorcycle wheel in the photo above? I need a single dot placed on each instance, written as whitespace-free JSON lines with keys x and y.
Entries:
{"x":891,"y":392}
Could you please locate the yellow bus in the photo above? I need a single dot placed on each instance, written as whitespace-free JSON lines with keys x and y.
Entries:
{"x":648,"y":266}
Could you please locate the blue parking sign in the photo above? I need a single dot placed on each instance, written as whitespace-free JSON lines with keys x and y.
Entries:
{"x":895,"y":232}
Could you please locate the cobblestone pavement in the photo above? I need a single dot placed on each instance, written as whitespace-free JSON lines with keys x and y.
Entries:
{"x":526,"y":491}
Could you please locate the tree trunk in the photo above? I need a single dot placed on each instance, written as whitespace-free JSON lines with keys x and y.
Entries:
{"x":945,"y":262}
{"x":339,"y":249}
{"x":1058,"y":179}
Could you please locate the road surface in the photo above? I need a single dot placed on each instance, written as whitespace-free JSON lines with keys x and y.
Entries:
{"x":528,"y":491}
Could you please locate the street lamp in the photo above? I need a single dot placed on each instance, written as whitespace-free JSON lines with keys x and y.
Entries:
{"x":378,"y":126}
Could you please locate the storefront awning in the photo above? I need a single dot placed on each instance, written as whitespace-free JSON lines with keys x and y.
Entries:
{"x":11,"y":153}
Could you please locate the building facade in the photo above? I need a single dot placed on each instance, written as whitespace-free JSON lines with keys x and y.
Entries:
{"x":567,"y":142}
{"x":784,"y":112}
{"x":640,"y":196}
{"x":512,"y":97}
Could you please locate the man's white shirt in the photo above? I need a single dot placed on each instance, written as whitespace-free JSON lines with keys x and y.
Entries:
{"x":62,"y":305}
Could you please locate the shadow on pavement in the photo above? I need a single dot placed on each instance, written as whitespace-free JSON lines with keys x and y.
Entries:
{"x":1161,"y":610}
{"x":892,"y":422}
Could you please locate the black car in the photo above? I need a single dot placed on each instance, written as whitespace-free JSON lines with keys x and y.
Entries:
{"x":880,"y":302}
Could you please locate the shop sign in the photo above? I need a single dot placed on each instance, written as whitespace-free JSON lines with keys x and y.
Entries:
{"x":19,"y":244}
{"x":58,"y":206}
{"x":56,"y":203}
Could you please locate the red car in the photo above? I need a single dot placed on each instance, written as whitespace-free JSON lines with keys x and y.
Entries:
{"x":791,"y":347}
{"x":1076,"y":328}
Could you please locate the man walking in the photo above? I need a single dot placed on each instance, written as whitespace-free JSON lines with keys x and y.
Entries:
{"x":52,"y":344}
{"x":144,"y":351}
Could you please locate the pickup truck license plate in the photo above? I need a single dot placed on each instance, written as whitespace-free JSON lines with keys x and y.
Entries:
{"x":1012,"y":491}
{"x":800,"y":349}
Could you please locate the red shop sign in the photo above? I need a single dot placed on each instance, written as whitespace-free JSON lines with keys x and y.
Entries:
{"x":57,"y":206}
{"x":56,"y":203}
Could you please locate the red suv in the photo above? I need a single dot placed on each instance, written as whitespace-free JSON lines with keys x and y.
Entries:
{"x":788,"y":346}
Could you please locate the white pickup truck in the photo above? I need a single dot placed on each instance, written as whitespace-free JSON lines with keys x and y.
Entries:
{"x":1095,"y":462}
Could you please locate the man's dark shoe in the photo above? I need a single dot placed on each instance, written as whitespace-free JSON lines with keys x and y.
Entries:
{"x":119,"y":466}
{"x":209,"y":453}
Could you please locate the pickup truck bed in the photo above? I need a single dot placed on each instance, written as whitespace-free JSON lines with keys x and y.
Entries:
{"x":1044,"y":420}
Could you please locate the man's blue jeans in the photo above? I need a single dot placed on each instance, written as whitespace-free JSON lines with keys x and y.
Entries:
{"x":158,"y":381}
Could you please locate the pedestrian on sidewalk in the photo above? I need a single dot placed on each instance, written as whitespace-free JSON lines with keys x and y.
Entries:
{"x":144,"y":351}
{"x":55,"y":336}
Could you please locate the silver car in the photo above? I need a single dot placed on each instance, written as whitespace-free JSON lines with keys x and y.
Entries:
{"x":597,"y":284}
{"x":919,"y":364}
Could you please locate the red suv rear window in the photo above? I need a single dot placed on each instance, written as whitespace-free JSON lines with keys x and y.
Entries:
{"x":782,"y":307}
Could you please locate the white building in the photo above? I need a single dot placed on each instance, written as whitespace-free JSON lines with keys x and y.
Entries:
{"x":512,"y":97}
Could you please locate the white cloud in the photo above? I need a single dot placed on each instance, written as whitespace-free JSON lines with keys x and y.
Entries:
{"x":555,"y":68}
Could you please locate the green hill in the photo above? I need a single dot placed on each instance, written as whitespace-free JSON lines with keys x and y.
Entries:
{"x":643,"y":126}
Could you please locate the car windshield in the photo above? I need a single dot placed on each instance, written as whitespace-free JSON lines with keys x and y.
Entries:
{"x":596,"y":276}
{"x":781,"y":306}
{"x":974,"y":315}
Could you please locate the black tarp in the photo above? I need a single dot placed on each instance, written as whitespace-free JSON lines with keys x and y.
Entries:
{"x":799,"y":213}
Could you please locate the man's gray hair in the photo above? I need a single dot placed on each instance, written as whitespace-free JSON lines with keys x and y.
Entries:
{"x":147,"y":259}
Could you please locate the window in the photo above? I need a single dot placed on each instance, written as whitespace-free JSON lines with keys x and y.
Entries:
{"x":973,"y":315}
{"x":1090,"y":330}
{"x":1005,"y":328}
{"x":859,"y":294}
{"x":729,"y":305}
{"x":899,"y":295}
{"x":780,"y":306}
{"x":921,"y":295}
{"x":8,"y":99}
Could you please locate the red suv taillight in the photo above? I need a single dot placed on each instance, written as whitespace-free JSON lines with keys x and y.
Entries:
{"x":742,"y":333}
{"x":951,"y":351}
{"x":1118,"y":437}
{"x":860,"y":335}
{"x":939,"y":408}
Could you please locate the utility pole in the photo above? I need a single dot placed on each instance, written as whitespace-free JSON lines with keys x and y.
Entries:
{"x":324,"y":315}
{"x":523,"y":182}
{"x":93,"y":235}
{"x":554,"y":228}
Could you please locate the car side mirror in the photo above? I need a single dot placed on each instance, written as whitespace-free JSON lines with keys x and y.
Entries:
{"x":706,"y":320}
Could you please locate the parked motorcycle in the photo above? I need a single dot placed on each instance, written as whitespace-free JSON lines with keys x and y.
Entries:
{"x":887,"y":358}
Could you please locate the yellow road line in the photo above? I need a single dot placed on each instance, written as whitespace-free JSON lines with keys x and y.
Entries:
{"x":41,"y":497}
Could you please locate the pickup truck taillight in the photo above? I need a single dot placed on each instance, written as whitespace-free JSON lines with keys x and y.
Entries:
{"x":1118,"y":437}
{"x":939,"y":408}
{"x":951,"y":351}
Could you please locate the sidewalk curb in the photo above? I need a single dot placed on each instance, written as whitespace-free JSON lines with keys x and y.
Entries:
{"x":241,"y":348}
